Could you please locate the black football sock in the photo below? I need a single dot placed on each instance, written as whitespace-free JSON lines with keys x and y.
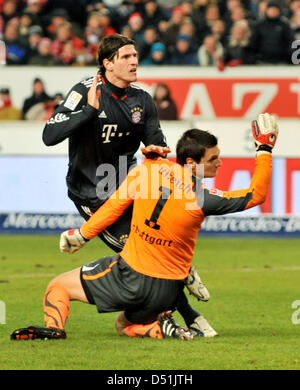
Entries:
{"x":186,"y":310}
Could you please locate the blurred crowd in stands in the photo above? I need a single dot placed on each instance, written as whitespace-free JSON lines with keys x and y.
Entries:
{"x":216,"y":33}
{"x":167,"y":32}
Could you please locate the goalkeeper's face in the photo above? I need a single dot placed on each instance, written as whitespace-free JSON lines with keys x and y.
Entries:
{"x":211,"y":161}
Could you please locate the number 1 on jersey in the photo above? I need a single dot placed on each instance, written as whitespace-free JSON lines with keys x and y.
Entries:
{"x":165,"y":195}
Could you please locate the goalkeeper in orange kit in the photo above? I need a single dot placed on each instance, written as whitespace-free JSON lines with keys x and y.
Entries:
{"x":144,"y":281}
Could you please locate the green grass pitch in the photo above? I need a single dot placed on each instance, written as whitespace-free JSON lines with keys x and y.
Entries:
{"x":253,"y":283}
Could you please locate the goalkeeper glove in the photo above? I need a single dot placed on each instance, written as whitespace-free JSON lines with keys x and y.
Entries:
{"x":71,"y":241}
{"x":265,"y":132}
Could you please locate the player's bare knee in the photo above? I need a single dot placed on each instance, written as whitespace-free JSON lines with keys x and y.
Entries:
{"x":121,"y":323}
{"x":119,"y":328}
{"x":59,"y":279}
{"x":70,"y":281}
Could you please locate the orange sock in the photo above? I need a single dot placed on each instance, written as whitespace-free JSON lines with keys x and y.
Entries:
{"x":150,"y":330}
{"x":56,"y":306}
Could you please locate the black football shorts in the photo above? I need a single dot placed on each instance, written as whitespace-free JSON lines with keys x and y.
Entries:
{"x":112,"y":285}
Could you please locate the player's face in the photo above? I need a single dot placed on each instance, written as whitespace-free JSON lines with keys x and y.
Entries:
{"x":122,"y":69}
{"x":211,"y":161}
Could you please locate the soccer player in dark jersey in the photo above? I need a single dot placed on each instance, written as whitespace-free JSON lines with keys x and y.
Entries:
{"x":170,"y":204}
{"x":105,"y":119}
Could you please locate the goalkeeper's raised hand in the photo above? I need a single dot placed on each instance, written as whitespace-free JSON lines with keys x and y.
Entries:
{"x":71,"y":241}
{"x":265,"y":132}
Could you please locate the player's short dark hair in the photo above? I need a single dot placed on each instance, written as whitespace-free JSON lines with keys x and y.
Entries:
{"x":193,"y":144}
{"x":109,"y":46}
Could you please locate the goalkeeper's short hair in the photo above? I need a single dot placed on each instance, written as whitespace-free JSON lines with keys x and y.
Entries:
{"x":193,"y":144}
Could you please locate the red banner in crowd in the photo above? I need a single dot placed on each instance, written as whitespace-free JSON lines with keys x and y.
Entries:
{"x":211,"y":98}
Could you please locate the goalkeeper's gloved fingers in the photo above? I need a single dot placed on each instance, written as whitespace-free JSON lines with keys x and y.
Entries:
{"x":71,"y":241}
{"x":264,"y":132}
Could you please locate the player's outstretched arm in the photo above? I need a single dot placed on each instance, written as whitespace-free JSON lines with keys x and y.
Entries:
{"x":265,"y":133}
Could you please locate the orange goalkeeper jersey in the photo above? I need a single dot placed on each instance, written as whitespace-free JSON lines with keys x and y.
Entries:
{"x":169,"y":208}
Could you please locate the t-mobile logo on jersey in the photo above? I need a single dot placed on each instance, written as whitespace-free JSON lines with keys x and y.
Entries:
{"x":110,"y":131}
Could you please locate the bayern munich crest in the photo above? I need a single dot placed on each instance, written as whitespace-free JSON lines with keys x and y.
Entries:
{"x":136,"y":114}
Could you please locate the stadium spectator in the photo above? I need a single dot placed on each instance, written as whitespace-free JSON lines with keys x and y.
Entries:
{"x":9,"y":11}
{"x":136,"y":24}
{"x":198,"y":18}
{"x":169,"y":30}
{"x":137,"y":282}
{"x":25,"y":21}
{"x":74,"y":10}
{"x":7,"y":110}
{"x":168,"y":6}
{"x":84,"y":108}
{"x":198,"y":11}
{"x":237,"y":50}
{"x":295,"y":24}
{"x":44,"y":56}
{"x":218,"y":30}
{"x":35,"y":34}
{"x":38,"y":96}
{"x":238,"y":14}
{"x":185,"y":52}
{"x":58,"y":98}
{"x":57,"y":17}
{"x":165,"y":105}
{"x":94,"y":6}
{"x":157,"y":56}
{"x":105,"y":23}
{"x":187,"y":8}
{"x":212,"y":14}
{"x":152,"y":13}
{"x":35,"y":9}
{"x":126,"y":31}
{"x":150,"y":36}
{"x":93,"y":29}
{"x":123,"y":13}
{"x":294,"y":7}
{"x":187,"y":28}
{"x":15,"y":51}
{"x":260,"y":9}
{"x":210,"y":52}
{"x":230,"y":6}
{"x":64,"y":34}
{"x":68,"y":55}
{"x":44,"y":110}
{"x":272,"y":37}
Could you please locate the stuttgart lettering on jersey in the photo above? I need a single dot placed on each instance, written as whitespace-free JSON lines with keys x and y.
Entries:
{"x":151,"y":239}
